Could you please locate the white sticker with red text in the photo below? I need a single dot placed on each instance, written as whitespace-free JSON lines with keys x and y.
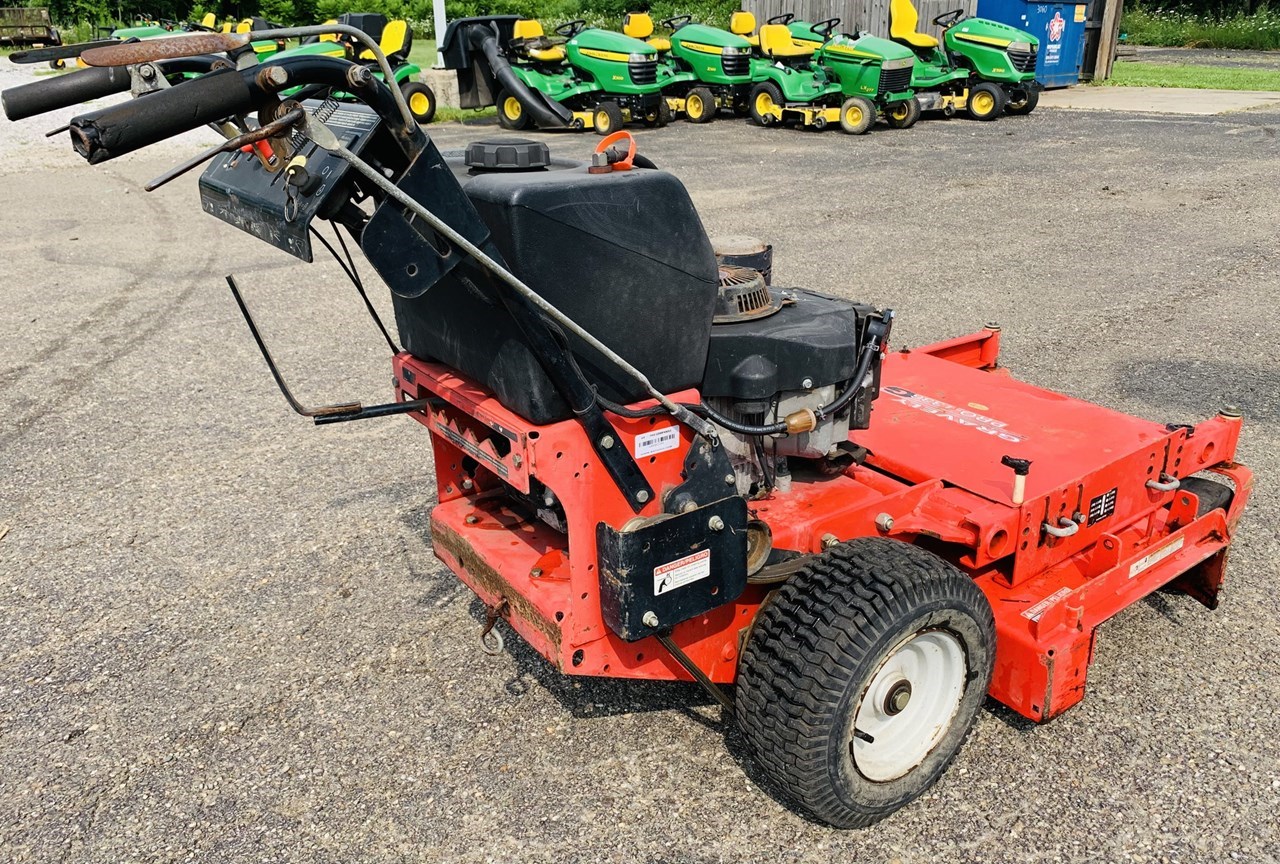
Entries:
{"x":681,"y":572}
{"x":1148,"y":561}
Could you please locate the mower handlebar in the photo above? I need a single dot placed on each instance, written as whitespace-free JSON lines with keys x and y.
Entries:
{"x":28,"y":100}
{"x":118,"y":129}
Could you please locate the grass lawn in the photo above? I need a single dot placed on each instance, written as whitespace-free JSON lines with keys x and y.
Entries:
{"x":1130,"y":74}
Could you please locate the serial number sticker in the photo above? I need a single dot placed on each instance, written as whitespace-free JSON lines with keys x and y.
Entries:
{"x":1150,"y":560}
{"x":657,"y":441}
{"x":1034,"y":612}
{"x":681,"y":572}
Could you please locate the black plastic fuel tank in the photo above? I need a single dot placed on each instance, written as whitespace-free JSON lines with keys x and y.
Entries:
{"x":623,"y":254}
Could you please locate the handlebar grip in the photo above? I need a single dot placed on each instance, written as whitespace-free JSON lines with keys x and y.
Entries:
{"x":119,"y":129}
{"x":28,"y":100}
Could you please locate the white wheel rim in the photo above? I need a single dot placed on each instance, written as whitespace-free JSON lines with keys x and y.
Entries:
{"x":909,"y":705}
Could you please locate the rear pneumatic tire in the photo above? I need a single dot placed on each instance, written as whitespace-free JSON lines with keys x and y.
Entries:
{"x":986,"y":101}
{"x":1211,"y":494}
{"x":877,"y":636}
{"x":511,"y":114}
{"x":421,"y":100}
{"x":764,"y":98}
{"x":607,"y":118}
{"x":1023,"y":101}
{"x":904,"y":114}
{"x":857,"y":115}
{"x":700,"y":105}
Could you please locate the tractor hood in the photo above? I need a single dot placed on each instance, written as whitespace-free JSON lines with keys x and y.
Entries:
{"x":608,"y":42}
{"x":984,"y":31}
{"x":699,"y":37}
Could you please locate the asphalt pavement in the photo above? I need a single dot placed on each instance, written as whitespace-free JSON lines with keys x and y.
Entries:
{"x":224,"y":638}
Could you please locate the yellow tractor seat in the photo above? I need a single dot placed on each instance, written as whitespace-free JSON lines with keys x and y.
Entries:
{"x":395,"y":40}
{"x":209,"y":21}
{"x":744,"y":24}
{"x":244,"y":26}
{"x":528,"y":38}
{"x":329,"y":37}
{"x":903,"y":20}
{"x":638,"y":25}
{"x":776,"y":42}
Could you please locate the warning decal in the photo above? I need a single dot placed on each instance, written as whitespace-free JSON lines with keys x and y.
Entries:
{"x":1148,"y":561}
{"x":681,"y":572}
{"x":1035,"y":611}
{"x":1102,"y":506}
{"x":946,"y":411}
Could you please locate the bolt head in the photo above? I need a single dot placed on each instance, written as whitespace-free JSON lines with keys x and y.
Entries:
{"x":535,"y":572}
{"x":807,"y":383}
{"x":884,"y":522}
{"x":729,"y":479}
{"x":642,"y":496}
{"x":649,"y":619}
{"x":471,"y":520}
{"x":606,"y":442}
{"x":829,"y":540}
{"x":1232,"y":411}
{"x":468,"y":483}
{"x":715,"y":523}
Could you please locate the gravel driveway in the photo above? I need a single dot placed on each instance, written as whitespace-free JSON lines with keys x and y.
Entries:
{"x":224,"y":638}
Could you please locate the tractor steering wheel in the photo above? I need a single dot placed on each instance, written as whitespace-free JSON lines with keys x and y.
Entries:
{"x":784,"y":18}
{"x":677,"y":22}
{"x":569,"y":29}
{"x":949,"y":19}
{"x":824,"y":28}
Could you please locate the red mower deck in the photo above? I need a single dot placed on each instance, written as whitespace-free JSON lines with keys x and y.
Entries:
{"x":932,"y":476}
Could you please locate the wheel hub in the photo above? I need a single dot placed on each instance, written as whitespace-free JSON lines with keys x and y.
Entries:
{"x":909,"y":704}
{"x":898,"y":698}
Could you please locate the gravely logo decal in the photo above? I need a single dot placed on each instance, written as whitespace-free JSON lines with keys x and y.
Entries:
{"x":978,"y":422}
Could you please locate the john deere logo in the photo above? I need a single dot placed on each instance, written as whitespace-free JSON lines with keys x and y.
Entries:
{"x":1056,"y":25}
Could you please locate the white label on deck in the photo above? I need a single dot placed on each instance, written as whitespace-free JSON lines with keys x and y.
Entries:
{"x":657,"y":441}
{"x":690,"y":568}
{"x":1034,"y":612}
{"x":1147,"y":561}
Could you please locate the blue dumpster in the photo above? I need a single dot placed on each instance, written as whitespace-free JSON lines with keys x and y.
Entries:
{"x":1060,"y":27}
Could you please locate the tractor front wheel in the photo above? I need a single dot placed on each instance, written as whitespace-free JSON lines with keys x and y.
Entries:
{"x":607,"y":118}
{"x":765,"y":100}
{"x":862,"y":676}
{"x":904,"y":114}
{"x":986,"y":101}
{"x":857,"y":115}
{"x":511,"y":114}
{"x":700,"y":105}
{"x":421,"y":100}
{"x":1023,"y":101}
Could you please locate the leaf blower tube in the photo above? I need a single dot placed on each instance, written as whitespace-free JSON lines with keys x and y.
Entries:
{"x":546,"y":113}
{"x":118,"y":129}
{"x":40,"y":97}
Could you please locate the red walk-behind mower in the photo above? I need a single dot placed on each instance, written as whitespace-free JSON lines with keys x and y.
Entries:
{"x":654,"y":466}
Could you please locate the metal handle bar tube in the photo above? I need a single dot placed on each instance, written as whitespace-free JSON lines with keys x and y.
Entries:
{"x":118,"y":129}
{"x":389,"y":75}
{"x":326,"y":140}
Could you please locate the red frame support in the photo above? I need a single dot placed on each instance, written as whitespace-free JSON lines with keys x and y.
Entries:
{"x":1049,"y":595}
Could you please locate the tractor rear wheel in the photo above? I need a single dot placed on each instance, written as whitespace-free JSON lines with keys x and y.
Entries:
{"x":700,"y":105}
{"x":986,"y":101}
{"x":764,"y":100}
{"x":904,"y":114}
{"x":857,"y":115}
{"x":421,"y":100}
{"x":1023,"y":101}
{"x":862,"y":676}
{"x":608,"y":118}
{"x":511,"y":114}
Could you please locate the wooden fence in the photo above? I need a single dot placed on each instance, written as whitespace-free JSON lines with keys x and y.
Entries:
{"x":869,"y":15}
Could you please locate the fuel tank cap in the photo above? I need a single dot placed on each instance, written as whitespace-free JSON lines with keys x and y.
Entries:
{"x":507,"y":154}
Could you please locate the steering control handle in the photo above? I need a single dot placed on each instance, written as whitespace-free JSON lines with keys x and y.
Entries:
{"x":28,"y":100}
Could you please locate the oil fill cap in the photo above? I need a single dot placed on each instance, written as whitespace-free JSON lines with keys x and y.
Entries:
{"x":507,"y":154}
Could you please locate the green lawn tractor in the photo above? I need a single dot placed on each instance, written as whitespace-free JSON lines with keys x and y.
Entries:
{"x":821,"y":78}
{"x":586,"y":79}
{"x":983,"y":67}
{"x":395,"y":38}
{"x":706,"y":69}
